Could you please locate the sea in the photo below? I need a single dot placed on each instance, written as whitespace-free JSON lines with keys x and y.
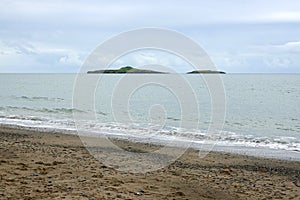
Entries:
{"x":261,"y":115}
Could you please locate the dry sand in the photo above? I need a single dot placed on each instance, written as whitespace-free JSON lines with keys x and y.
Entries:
{"x":36,"y":165}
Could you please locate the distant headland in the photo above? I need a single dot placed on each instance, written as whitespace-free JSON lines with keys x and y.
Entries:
{"x":132,"y":70}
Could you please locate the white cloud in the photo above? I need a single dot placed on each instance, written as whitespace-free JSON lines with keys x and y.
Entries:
{"x":153,"y":58}
{"x":22,"y":48}
{"x":275,"y":49}
{"x":262,"y":58}
{"x":282,"y":62}
{"x":37,"y":55}
{"x":282,"y":16}
{"x":282,"y":56}
{"x":290,"y":47}
{"x":71,"y":59}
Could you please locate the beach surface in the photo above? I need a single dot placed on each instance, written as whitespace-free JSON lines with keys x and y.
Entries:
{"x":40,"y":165}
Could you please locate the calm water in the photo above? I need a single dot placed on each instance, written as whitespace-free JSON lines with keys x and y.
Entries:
{"x":261,"y":110}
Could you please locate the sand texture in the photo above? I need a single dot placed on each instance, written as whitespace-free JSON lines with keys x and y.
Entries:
{"x":35,"y":165}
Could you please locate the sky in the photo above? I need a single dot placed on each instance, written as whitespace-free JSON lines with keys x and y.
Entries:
{"x":257,"y":36}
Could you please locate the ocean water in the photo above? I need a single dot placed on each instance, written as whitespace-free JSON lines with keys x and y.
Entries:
{"x":262,"y":110}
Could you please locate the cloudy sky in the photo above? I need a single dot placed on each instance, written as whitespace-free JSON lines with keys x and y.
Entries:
{"x":240,"y":36}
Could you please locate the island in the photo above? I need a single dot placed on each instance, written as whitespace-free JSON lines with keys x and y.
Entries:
{"x":206,"y":72}
{"x":124,"y":70}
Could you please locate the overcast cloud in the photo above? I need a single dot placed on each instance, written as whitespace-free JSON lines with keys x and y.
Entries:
{"x":239,"y":36}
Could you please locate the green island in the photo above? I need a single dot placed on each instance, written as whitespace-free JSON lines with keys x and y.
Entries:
{"x":126,"y":69}
{"x":132,"y":70}
{"x":206,"y":72}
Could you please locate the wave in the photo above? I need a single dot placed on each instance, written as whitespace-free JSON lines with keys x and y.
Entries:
{"x":38,"y":123}
{"x":32,"y":118}
{"x":173,"y":118}
{"x":151,"y":132}
{"x":62,"y":110}
{"x":225,"y":138}
{"x":35,"y":98}
{"x":44,"y":110}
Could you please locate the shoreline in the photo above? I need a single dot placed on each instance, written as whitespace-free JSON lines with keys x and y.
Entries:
{"x":41,"y":165}
{"x":239,"y":149}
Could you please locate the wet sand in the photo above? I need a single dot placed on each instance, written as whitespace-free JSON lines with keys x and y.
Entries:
{"x":39,"y":165}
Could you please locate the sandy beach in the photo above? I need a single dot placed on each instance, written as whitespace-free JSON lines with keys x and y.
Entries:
{"x":39,"y":165}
